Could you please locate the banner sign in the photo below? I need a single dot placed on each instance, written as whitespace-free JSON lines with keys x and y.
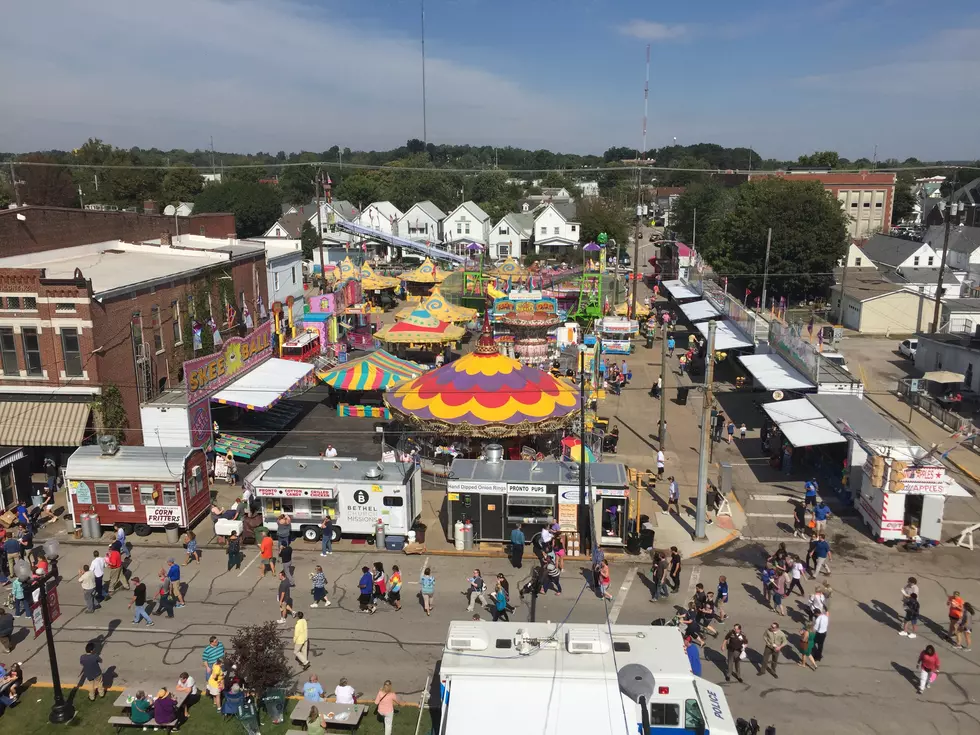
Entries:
{"x":508,"y":304}
{"x":54,"y":609}
{"x":788,"y":342}
{"x":161,"y":515}
{"x":207,"y":375}
{"x":324,"y":493}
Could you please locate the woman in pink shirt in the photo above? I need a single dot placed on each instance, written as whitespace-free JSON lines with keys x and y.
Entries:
{"x":385,"y":703}
{"x":928,"y":668}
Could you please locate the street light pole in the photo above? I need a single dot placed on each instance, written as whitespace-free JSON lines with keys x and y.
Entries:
{"x":765,"y":271}
{"x":709,"y":376}
{"x":942,"y":266}
{"x":662,"y":434}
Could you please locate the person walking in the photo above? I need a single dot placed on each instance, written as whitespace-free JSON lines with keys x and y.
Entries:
{"x":268,"y":560}
{"x":380,"y":581}
{"x":517,"y":541}
{"x":190,"y":544}
{"x":779,"y":583}
{"x":476,"y":590}
{"x":928,"y":667}
{"x":19,"y":594}
{"x":286,"y":557}
{"x":605,"y":579}
{"x":87,"y":581}
{"x":955,"y":604}
{"x":964,"y":629}
{"x":911,"y":620}
{"x":820,"y":625}
{"x":285,"y":598}
{"x":428,"y":588}
{"x":799,"y":521}
{"x":216,"y":682}
{"x":173,"y":577}
{"x":774,"y":640}
{"x":365,"y":588}
{"x":284,"y":529}
{"x":385,"y":704}
{"x":319,"y":580}
{"x":113,"y":560}
{"x":121,"y":540}
{"x":661,"y":463}
{"x":673,"y":496}
{"x":91,"y":664}
{"x":301,"y":641}
{"x":820,"y":515}
{"x":719,"y":426}
{"x":97,"y":567}
{"x":674,"y":571}
{"x":552,"y":578}
{"x":821,"y":556}
{"x":499,"y":609}
{"x":734,"y":644}
{"x":671,"y":345}
{"x":721,"y":598}
{"x":817,"y":603}
{"x":731,"y":431}
{"x":741,"y":431}
{"x":213,"y":652}
{"x":234,"y":551}
{"x":807,"y":640}
{"x":395,"y":588}
{"x":796,"y":574}
{"x":326,"y":535}
{"x":139,"y":602}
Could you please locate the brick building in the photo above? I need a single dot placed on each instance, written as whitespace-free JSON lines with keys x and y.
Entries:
{"x":79,"y":317}
{"x":867,"y":198}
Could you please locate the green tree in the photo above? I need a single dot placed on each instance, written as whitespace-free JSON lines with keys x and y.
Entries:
{"x":360,"y":189}
{"x":809,"y":236}
{"x":600,"y":214}
{"x":255,"y":206}
{"x":310,"y":240}
{"x":250,"y":175}
{"x":296,"y":184}
{"x":181,"y":184}
{"x":257,"y":654}
{"x":707,"y":199}
{"x":45,"y":185}
{"x":821,"y":159}
{"x":904,"y":204}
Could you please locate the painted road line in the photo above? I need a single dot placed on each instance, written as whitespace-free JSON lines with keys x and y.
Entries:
{"x":695,"y":578}
{"x":421,"y":573}
{"x":768,"y":515}
{"x":620,"y":600}
{"x":960,"y":523}
{"x":773,"y":498}
{"x":254,"y":557}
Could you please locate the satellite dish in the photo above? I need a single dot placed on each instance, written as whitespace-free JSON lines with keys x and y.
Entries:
{"x":777,"y":395}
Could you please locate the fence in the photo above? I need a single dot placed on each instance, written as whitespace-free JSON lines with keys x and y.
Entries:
{"x":935,"y":410}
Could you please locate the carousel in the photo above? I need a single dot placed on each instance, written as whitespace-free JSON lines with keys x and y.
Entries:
{"x":420,"y":282}
{"x":421,"y":331}
{"x":528,"y":324}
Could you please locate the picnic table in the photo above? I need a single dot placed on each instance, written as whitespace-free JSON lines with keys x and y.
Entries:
{"x":123,"y":700}
{"x":343,"y":714}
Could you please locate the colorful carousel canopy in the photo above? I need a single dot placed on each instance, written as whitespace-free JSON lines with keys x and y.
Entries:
{"x":420,"y":327}
{"x":425,"y":273}
{"x":437,"y":305}
{"x":510,"y":268}
{"x":348,"y":270}
{"x":485,"y":394}
{"x":379,"y":370}
{"x":371,"y":281}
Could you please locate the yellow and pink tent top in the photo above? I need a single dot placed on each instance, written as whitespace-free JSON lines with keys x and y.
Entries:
{"x":371,"y":281}
{"x":425,"y":273}
{"x":437,"y":305}
{"x":420,"y":328}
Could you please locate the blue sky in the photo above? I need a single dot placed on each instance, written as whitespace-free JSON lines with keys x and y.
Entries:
{"x":784,"y":77}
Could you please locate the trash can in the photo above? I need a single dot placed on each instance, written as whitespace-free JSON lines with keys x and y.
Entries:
{"x":173,"y":533}
{"x":419,"y":529}
{"x":275,"y":704}
{"x":682,"y":392}
{"x":649,"y":340}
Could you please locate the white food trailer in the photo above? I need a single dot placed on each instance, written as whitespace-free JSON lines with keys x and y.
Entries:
{"x":356,"y":494}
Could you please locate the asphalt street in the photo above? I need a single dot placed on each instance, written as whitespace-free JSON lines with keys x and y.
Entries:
{"x":864,"y":684}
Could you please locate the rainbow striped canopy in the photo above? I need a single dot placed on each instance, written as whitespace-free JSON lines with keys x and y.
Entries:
{"x":378,"y":370}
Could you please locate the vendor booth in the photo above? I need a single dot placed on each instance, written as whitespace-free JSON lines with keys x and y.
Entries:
{"x":615,"y":334}
{"x":679,"y":291}
{"x":437,"y":305}
{"x":263,"y":387}
{"x":696,"y":311}
{"x":420,"y":331}
{"x":496,"y":494}
{"x":420,"y":282}
{"x":727,"y":336}
{"x":143,"y":487}
{"x":802,"y":424}
{"x":772,"y":372}
{"x":369,"y":376}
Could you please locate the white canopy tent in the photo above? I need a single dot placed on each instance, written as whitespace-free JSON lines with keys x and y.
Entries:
{"x":696,"y":311}
{"x":680,"y":290}
{"x":727,"y":336}
{"x":772,"y":372}
{"x":263,"y":387}
{"x":802,"y":424}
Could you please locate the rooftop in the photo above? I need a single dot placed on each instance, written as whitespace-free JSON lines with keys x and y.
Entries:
{"x":890,"y":250}
{"x":522,"y":471}
{"x":962,"y":304}
{"x":962,"y":239}
{"x":861,"y":287}
{"x":297,"y":470}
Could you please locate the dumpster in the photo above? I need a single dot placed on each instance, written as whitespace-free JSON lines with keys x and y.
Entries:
{"x":275,"y":704}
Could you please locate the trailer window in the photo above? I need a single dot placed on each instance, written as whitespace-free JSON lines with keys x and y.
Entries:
{"x":692,"y":715}
{"x":393,"y":502}
{"x":665,"y":714}
{"x":125,"y":493}
{"x":169,"y":494}
{"x":102,"y":494}
{"x":146,"y":495}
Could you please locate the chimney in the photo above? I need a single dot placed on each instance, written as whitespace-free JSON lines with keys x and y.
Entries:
{"x":150,"y":207}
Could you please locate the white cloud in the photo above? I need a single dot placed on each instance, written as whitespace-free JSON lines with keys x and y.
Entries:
{"x":650,"y":31}
{"x":257,"y":76}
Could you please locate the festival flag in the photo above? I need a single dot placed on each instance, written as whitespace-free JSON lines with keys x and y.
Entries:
{"x":197,"y":329}
{"x":247,"y":316}
{"x":263,"y":314}
{"x":215,"y":332}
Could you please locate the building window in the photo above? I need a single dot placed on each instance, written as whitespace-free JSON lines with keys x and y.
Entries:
{"x":32,"y":351}
{"x":556,"y":230}
{"x":467,"y":228}
{"x":915,"y":260}
{"x":878,"y":204}
{"x":13,"y":302}
{"x":137,"y":330}
{"x":503,"y":250}
{"x":102,"y":495}
{"x":178,"y":331}
{"x":146,"y":495}
{"x":169,"y":494}
{"x":858,"y":261}
{"x":459,"y":228}
{"x":867,"y":205}
{"x":503,"y":231}
{"x":544,"y":230}
{"x":275,"y":281}
{"x":30,"y":303}
{"x":72,"y":351}
{"x":8,"y":351}
{"x":854,"y":204}
{"x":157,"y":330}
{"x":930,"y":260}
{"x":64,"y":307}
{"x":574,"y":228}
{"x":125,"y":494}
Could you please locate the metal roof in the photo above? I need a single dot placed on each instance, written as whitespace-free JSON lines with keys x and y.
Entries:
{"x":296,"y":469}
{"x":129,"y":463}
{"x":856,"y":413}
{"x":43,"y":423}
{"x":548,"y":473}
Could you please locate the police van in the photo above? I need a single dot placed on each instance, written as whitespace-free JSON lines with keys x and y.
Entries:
{"x":355,"y":493}
{"x":575,"y":678}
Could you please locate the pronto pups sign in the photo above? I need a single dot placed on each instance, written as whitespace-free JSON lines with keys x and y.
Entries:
{"x":206,"y":375}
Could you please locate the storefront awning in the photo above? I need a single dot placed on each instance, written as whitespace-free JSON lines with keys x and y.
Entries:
{"x":802,"y":424}
{"x":727,"y":336}
{"x":262,"y":388}
{"x":43,"y":423}
{"x":696,"y":311}
{"x":680,"y":290}
{"x":772,"y":372}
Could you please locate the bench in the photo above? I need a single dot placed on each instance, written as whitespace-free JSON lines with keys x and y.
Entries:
{"x":119,"y":722}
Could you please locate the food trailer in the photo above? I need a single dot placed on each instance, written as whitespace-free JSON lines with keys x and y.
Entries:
{"x":497,"y":495}
{"x":142,"y":487}
{"x":356,"y":494}
{"x":615,"y":334}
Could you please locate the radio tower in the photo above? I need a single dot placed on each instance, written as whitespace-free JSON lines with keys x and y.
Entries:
{"x":646,"y":102}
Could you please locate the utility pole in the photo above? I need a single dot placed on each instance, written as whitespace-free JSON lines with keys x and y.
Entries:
{"x":583,"y":505}
{"x":636,"y":260}
{"x":318,"y":186}
{"x":950,"y":213}
{"x":16,"y":184}
{"x":425,"y":130}
{"x":765,"y":271}
{"x":843,"y":284}
{"x":663,"y":387}
{"x":709,"y":377}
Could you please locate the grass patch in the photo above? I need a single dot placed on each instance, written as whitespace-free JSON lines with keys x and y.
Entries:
{"x":31,"y":716}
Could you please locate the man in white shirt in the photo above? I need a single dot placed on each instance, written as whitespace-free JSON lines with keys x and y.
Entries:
{"x":330,"y":451}
{"x":673,"y":496}
{"x":97,"y":567}
{"x":661,"y":463}
{"x":820,"y":626}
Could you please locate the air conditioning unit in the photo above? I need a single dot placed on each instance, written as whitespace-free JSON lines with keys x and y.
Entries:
{"x":586,"y":641}
{"x":467,"y":638}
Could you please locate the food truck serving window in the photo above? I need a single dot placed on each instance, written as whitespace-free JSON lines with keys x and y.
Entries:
{"x":146,"y":495}
{"x":125,"y":493}
{"x":169,"y":494}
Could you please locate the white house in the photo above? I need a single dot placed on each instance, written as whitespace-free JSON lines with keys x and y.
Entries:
{"x":510,"y":236}
{"x":284,"y":270}
{"x":423,"y":222}
{"x":381,"y":216}
{"x":290,"y":225}
{"x":856,"y":258}
{"x":465,"y":224}
{"x":555,"y":227}
{"x":183,"y":209}
{"x":896,"y":252}
{"x":964,"y":248}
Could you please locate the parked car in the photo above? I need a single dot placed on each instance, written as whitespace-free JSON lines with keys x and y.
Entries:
{"x":907,"y":348}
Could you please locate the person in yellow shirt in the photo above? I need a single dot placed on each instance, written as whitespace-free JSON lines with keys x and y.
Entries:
{"x":216,"y":682}
{"x":301,"y":641}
